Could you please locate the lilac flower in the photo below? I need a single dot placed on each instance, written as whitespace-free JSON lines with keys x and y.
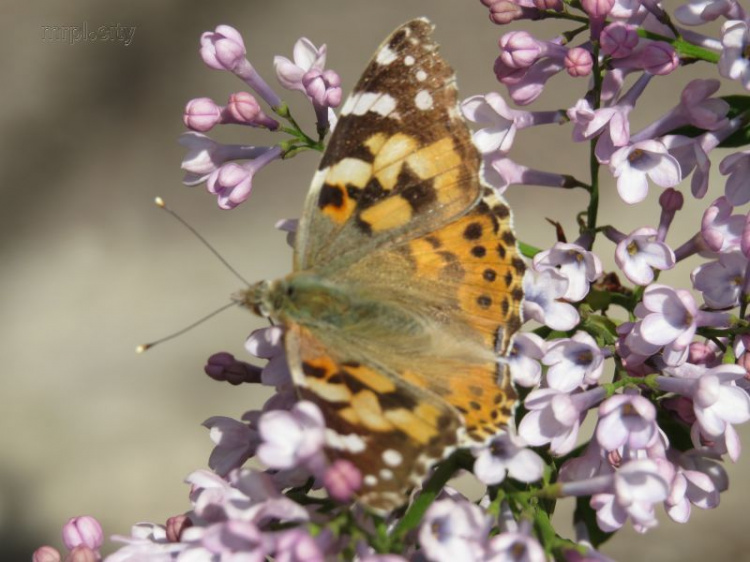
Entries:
{"x":224,"y":49}
{"x":573,"y":362}
{"x":618,"y":40}
{"x":721,"y":281}
{"x":46,"y":554}
{"x":244,"y":109}
{"x":690,"y":487}
{"x":519,"y":49}
{"x":655,"y":57}
{"x":555,"y":417}
{"x":543,"y":292}
{"x":267,"y":343}
{"x":717,"y":400}
{"x":296,"y":545}
{"x":515,"y":547}
{"x":737,"y":167}
{"x":640,"y":253}
{"x":670,"y":318}
{"x":292,"y":438}
{"x":593,"y":462}
{"x":523,"y":359}
{"x":692,"y":154}
{"x":146,"y":542}
{"x":506,"y":454}
{"x":579,"y":266}
{"x":637,"y":487}
{"x":223,"y":366}
{"x":235,"y":443}
{"x":176,"y":525}
{"x":83,"y":531}
{"x":501,"y":172}
{"x":201,"y":114}
{"x":670,"y":202}
{"x":698,"y":12}
{"x":205,"y":156}
{"x":228,"y":539}
{"x":626,"y":419}
{"x":454,"y":530}
{"x":733,"y":63}
{"x":232,"y":182}
{"x":500,"y":121}
{"x":633,"y":164}
{"x":720,"y":229}
{"x":307,"y":57}
{"x":342,"y":480}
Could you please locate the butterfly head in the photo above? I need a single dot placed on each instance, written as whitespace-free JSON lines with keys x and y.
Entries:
{"x":263,"y":298}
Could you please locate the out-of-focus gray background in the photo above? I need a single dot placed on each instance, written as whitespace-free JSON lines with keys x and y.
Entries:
{"x":90,"y":267}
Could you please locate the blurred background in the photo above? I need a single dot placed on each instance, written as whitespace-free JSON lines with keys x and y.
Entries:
{"x":90,"y":267}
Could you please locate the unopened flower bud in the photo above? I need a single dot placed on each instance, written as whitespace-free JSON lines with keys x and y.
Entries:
{"x":46,"y":554}
{"x":201,"y":114}
{"x":83,"y":530}
{"x":176,"y":525}
{"x":578,"y":62}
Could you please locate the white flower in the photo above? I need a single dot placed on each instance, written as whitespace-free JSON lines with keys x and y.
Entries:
{"x":635,"y":164}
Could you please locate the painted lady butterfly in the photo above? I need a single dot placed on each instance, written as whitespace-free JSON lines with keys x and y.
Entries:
{"x":407,"y":280}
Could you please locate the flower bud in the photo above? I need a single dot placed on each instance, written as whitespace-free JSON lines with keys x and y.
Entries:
{"x":201,"y":114}
{"x":618,"y":40}
{"x":82,"y":554}
{"x":46,"y":554}
{"x":176,"y":525}
{"x":83,"y":530}
{"x":671,"y":199}
{"x":578,"y":62}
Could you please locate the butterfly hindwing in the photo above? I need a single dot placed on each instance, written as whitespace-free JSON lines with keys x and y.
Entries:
{"x":400,"y":160}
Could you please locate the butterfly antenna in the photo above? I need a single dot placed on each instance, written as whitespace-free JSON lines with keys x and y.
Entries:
{"x":162,"y":205}
{"x":146,"y":346}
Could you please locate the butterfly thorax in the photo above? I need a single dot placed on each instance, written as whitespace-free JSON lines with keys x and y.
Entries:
{"x":308,"y":299}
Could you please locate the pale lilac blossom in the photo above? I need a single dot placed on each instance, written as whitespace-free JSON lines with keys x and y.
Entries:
{"x":267,"y":343}
{"x":721,"y":282}
{"x":83,"y":531}
{"x":505,"y":455}
{"x":635,"y":164}
{"x":205,"y":155}
{"x":640,"y":253}
{"x":578,"y":62}
{"x":733,"y":63}
{"x":306,"y":57}
{"x":342,"y":480}
{"x":292,"y":438}
{"x":232,"y":183}
{"x":523,"y":359}
{"x":296,"y":545}
{"x":578,"y":265}
{"x":720,"y":229}
{"x":573,"y":362}
{"x":619,"y":39}
{"x":737,"y":167}
{"x":543,"y":294}
{"x":454,"y":530}
{"x":626,"y":420}
{"x":147,"y":541}
{"x":698,"y":12}
{"x":501,"y":172}
{"x":515,"y":547}
{"x":235,"y":443}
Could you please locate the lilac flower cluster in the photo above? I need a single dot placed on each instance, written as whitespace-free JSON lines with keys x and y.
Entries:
{"x":666,"y":387}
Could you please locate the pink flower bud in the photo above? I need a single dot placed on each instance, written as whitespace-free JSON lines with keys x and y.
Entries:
{"x":342,"y":480}
{"x":46,"y":554}
{"x":671,"y":199}
{"x":503,"y":12}
{"x":519,"y":49}
{"x":578,"y":62}
{"x":83,"y":530}
{"x":323,"y":87}
{"x":224,"y":367}
{"x":176,"y":525}
{"x":243,"y":108}
{"x":701,"y":354}
{"x":659,"y":58}
{"x":618,"y":40}
{"x":201,"y":114}
{"x":222,"y":49}
{"x":555,"y":5}
{"x":598,"y":9}
{"x":82,"y":554}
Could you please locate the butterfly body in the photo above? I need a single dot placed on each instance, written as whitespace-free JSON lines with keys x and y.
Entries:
{"x":406,"y":287}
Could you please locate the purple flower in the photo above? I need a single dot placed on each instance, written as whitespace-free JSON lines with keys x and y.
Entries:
{"x":296,"y":545}
{"x":244,"y":109}
{"x":721,"y":281}
{"x":573,"y":362}
{"x":737,"y":167}
{"x":618,"y":40}
{"x":235,"y":443}
{"x":146,"y":542}
{"x":223,"y":366}
{"x":640,"y":253}
{"x":593,"y":462}
{"x":514,"y":547}
{"x":227,"y":540}
{"x":578,"y":62}
{"x":690,"y":487}
{"x":698,"y":12}
{"x":720,"y":229}
{"x":523,"y":359}
{"x":579,"y":266}
{"x":543,"y":292}
{"x":83,"y":531}
{"x":292,"y":438}
{"x":733,"y":63}
{"x":555,"y":417}
{"x":205,"y":156}
{"x":223,"y":48}
{"x":632,"y":166}
{"x":267,"y":343}
{"x":342,"y":480}
{"x":626,"y":420}
{"x":454,"y":530}
{"x":46,"y":554}
{"x":637,"y":487}
{"x":201,"y":114}
{"x":232,"y":182}
{"x":306,"y":57}
{"x":501,"y":172}
{"x":507,"y":454}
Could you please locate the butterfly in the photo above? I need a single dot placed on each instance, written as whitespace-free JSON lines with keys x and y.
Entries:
{"x":407,"y":282}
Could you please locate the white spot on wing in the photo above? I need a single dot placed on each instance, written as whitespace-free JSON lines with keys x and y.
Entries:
{"x":408,"y":60}
{"x":423,"y":100}
{"x":385,"y":56}
{"x":386,"y":474}
{"x":349,"y":104}
{"x":421,"y":75}
{"x":391,"y":457}
{"x":352,"y":442}
{"x":370,"y":480}
{"x":382,"y":104}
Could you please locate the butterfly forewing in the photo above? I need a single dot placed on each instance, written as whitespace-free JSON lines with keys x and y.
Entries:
{"x":400,"y":161}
